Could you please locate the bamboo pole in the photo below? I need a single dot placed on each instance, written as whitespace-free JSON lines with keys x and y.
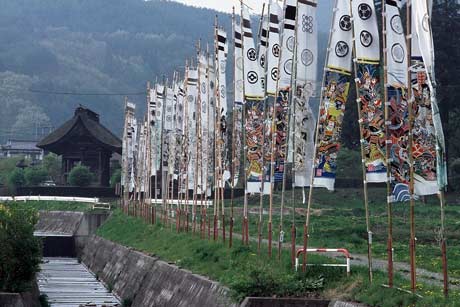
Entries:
{"x":387,"y":154}
{"x":411,"y":142}
{"x":234,"y":130}
{"x":261,"y":195}
{"x":310,"y":192}
{"x":363,"y":155}
{"x":291,"y":108}
{"x":216,"y":139}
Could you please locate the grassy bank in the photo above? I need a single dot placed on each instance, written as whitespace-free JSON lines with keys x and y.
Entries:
{"x":247,"y":273}
{"x":338,"y":220}
{"x":53,"y":205}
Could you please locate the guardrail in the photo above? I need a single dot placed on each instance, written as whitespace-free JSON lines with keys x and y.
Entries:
{"x":93,"y":200}
{"x":207,"y":203}
{"x":326,"y":250}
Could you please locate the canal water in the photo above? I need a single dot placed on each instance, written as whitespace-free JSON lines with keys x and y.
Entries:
{"x":67,"y":283}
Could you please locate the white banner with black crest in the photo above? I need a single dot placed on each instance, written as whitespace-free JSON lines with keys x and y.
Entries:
{"x":305,"y":84}
{"x":396,"y":46}
{"x":288,"y":44}
{"x":339,"y":57}
{"x":274,"y":47}
{"x":366,"y":30}
{"x":158,"y":127}
{"x":192,"y":92}
{"x":251,"y":67}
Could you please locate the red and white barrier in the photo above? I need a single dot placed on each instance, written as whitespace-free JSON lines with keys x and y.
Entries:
{"x":326,"y":250}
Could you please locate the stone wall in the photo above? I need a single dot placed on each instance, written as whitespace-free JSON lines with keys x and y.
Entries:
{"x":24,"y":299}
{"x":148,"y":281}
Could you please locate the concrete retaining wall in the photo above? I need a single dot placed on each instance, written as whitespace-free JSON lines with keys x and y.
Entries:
{"x":148,"y":281}
{"x":24,"y":299}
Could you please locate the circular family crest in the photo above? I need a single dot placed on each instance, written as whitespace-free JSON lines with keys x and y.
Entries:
{"x":341,"y":49}
{"x":252,"y":54}
{"x":276,"y":50}
{"x":288,"y":67}
{"x":396,"y":24}
{"x":252,"y":77}
{"x":366,"y":38}
{"x":290,"y":43}
{"x":345,"y":23}
{"x":397,"y":53}
{"x":307,"y":57}
{"x":274,"y":73}
{"x":364,"y":11}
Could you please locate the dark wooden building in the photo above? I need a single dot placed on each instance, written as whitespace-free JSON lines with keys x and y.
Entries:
{"x":83,"y":140}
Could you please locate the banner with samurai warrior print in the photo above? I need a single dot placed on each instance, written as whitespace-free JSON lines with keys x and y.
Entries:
{"x":305,"y":88}
{"x":367,"y":74}
{"x":429,"y":156}
{"x":254,"y":126}
{"x":372,"y":121}
{"x":398,"y":125}
{"x":254,"y":106}
{"x":334,"y":97}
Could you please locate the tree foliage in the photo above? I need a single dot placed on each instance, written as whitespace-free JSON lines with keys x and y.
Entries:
{"x":52,"y":164}
{"x":35,"y":175}
{"x":20,"y":252}
{"x":80,"y":176}
{"x":16,"y":179}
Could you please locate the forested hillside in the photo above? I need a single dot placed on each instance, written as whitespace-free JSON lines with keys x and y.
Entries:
{"x":89,"y":46}
{"x":115,"y":46}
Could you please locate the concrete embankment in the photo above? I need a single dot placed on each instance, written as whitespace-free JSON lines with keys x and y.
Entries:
{"x":148,"y":281}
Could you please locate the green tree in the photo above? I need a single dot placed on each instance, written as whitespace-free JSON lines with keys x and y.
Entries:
{"x":35,"y":175}
{"x":80,"y":176}
{"x":52,"y":164}
{"x":115,"y":178}
{"x":20,"y":252}
{"x":16,"y":179}
{"x":6,"y":167}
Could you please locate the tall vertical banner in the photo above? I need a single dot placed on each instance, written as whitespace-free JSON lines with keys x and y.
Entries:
{"x":158,"y":128}
{"x":132,"y":154}
{"x":254,"y":95}
{"x":221,"y":68}
{"x":287,"y":68}
{"x":179,"y":124}
{"x":204,"y":108}
{"x":305,"y":87}
{"x":192,"y":93}
{"x":238,"y":103}
{"x":430,"y":173}
{"x":128,"y":150}
{"x":334,"y":97}
{"x":211,"y":118}
{"x":398,"y":112}
{"x":367,"y":74}
{"x":168,"y":132}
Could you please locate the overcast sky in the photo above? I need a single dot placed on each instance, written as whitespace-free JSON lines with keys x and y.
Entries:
{"x":226,"y":5}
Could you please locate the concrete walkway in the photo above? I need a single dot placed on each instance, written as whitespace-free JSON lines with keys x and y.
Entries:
{"x":68,"y":283}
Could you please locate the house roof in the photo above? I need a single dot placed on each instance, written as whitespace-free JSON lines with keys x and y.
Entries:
{"x":89,"y":120}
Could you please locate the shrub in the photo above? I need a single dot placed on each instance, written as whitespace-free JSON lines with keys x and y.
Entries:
{"x":6,"y":167}
{"x":20,"y":252}
{"x":80,"y":176}
{"x":35,"y":175}
{"x":52,"y":164}
{"x":115,"y":178}
{"x":16,"y":179}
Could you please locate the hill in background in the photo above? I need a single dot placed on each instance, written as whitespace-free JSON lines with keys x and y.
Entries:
{"x":97,"y":46}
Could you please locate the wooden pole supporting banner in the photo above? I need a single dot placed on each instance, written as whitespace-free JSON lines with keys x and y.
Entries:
{"x":410,"y":100}
{"x":363,"y":156}
{"x":315,"y":152}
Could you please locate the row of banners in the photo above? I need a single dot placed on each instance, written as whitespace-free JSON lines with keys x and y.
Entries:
{"x":185,"y":132}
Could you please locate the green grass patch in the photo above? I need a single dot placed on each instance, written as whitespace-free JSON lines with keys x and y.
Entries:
{"x":52,"y":205}
{"x":248,"y":274}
